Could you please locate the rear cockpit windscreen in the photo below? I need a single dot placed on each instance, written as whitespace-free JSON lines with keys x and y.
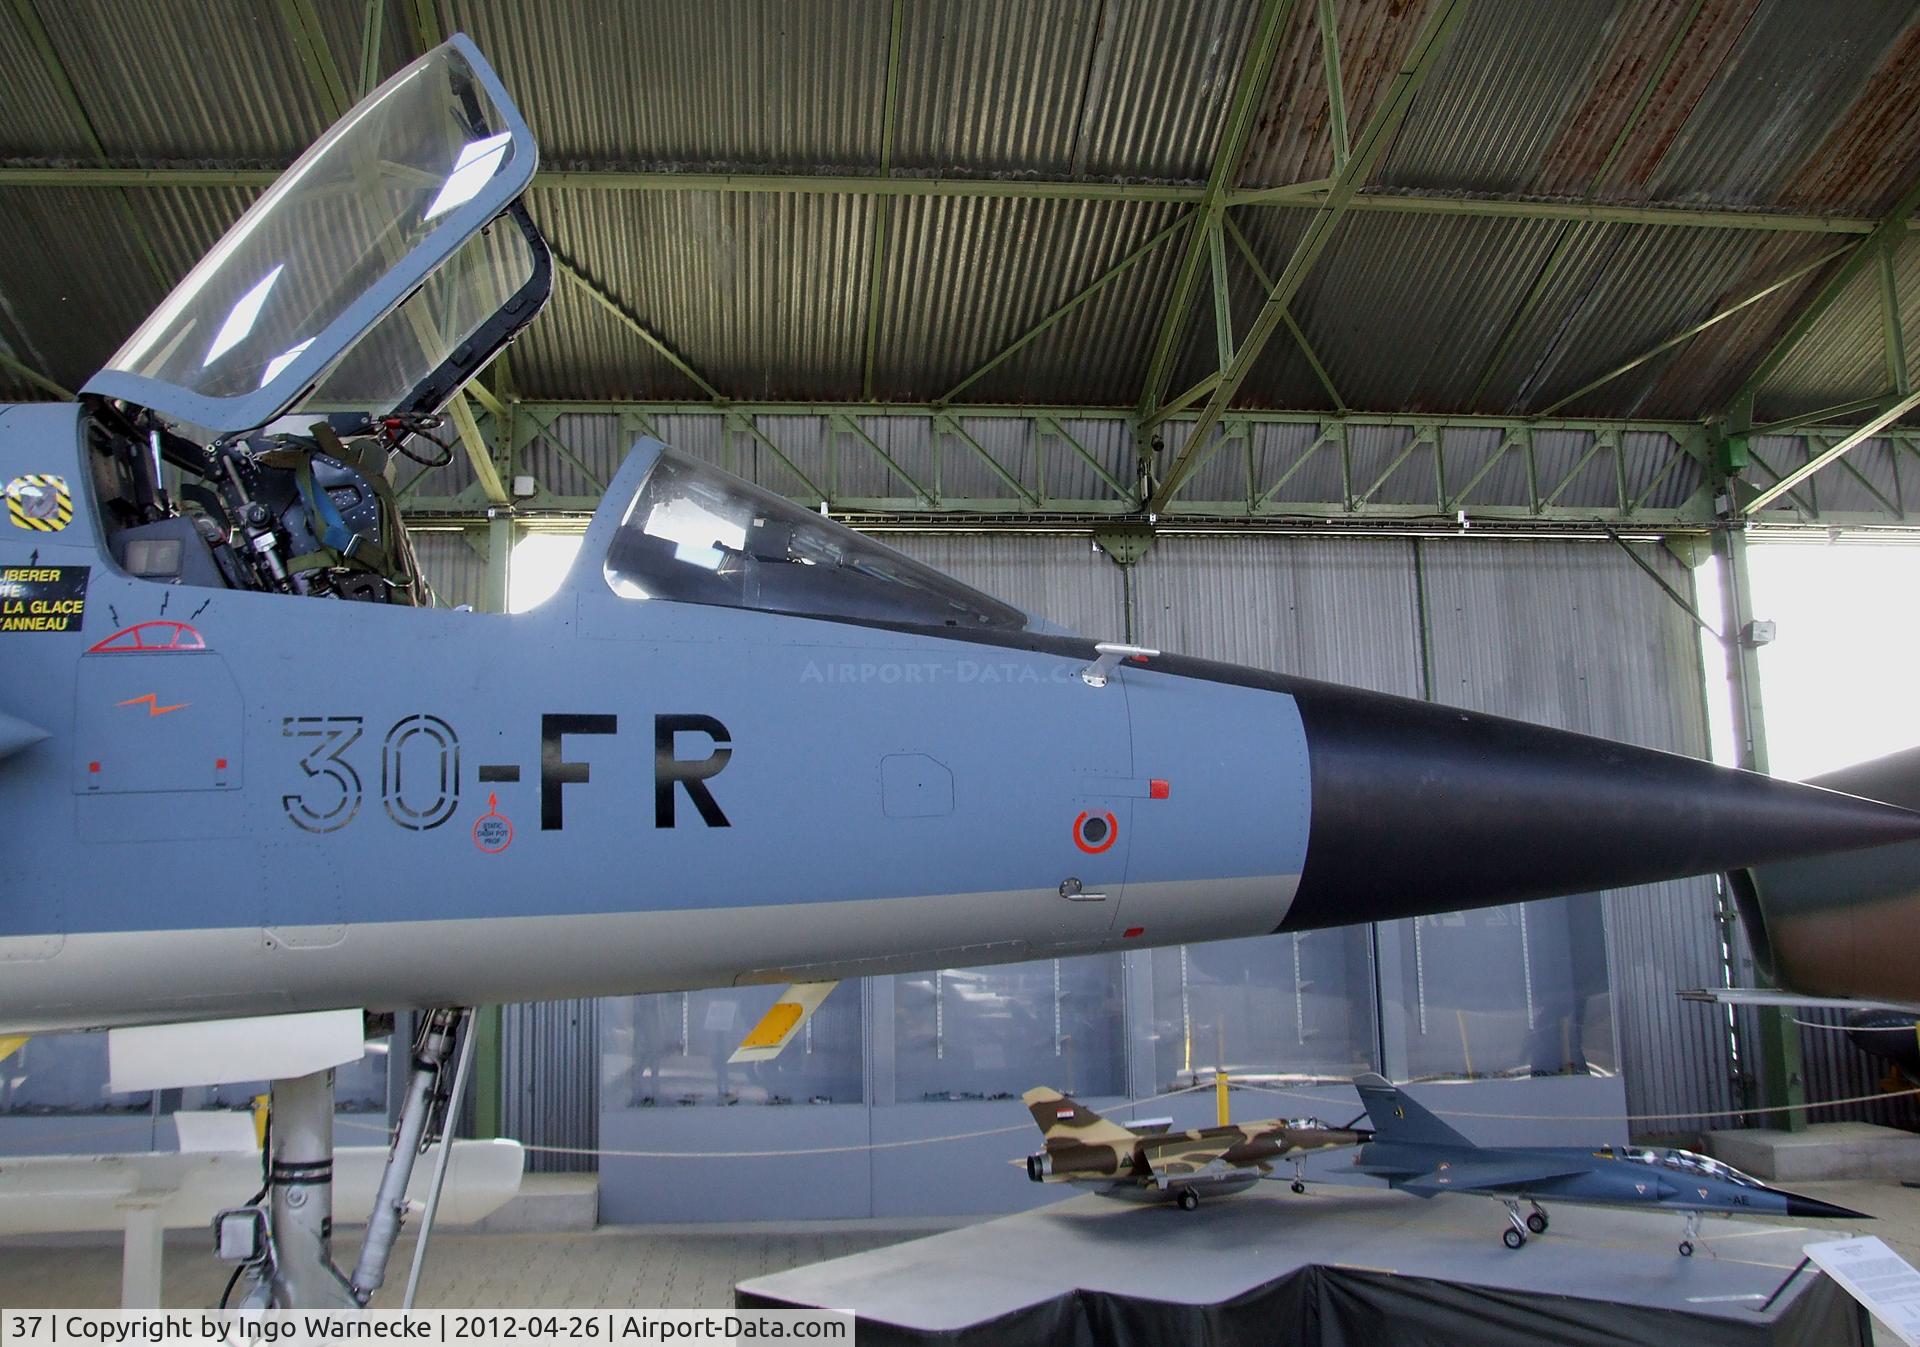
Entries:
{"x":694,"y":534}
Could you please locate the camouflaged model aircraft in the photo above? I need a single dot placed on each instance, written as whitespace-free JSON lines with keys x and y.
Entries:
{"x":1146,"y":1162}
{"x":251,"y":771}
{"x":1417,"y":1153}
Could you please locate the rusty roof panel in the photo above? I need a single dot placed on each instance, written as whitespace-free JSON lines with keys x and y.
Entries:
{"x":1159,"y":83}
{"x":1291,"y":142}
{"x":1869,"y":158}
{"x":1664,"y":54}
{"x":1498,"y":96}
{"x":1787,"y":87}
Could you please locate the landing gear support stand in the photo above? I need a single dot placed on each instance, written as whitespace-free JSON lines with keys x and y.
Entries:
{"x":296,"y":1269}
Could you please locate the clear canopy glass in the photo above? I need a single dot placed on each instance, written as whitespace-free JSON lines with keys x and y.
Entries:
{"x":327,"y":253}
{"x":698,"y":535}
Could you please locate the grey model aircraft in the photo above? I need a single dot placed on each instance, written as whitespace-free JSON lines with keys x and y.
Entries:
{"x":1416,"y":1152}
{"x":250,"y":770}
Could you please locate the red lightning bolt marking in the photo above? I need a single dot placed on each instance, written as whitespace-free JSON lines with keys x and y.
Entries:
{"x":152,"y":703}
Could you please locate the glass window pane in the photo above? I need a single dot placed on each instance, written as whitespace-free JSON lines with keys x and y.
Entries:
{"x":991,"y":1033}
{"x":1296,"y":1005}
{"x":63,"y":1073}
{"x":696,"y":535}
{"x":67,"y":1073}
{"x":671,"y":1049}
{"x":1508,"y":991}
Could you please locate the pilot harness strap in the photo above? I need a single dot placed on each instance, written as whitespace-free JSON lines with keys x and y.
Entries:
{"x":339,"y":545}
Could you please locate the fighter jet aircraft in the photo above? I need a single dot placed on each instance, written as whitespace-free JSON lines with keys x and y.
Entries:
{"x":1837,"y":931}
{"x":1148,"y":1163}
{"x":249,"y":770}
{"x":1418,"y":1153}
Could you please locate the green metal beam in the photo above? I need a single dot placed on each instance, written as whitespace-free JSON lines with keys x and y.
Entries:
{"x":478,"y":453}
{"x":1336,"y":88}
{"x":746,"y":422}
{"x":1782,"y":1076}
{"x":882,"y":206}
{"x":1398,"y":98}
{"x":1893,"y":413}
{"x":16,"y":366}
{"x":606,"y":301}
{"x":1086,"y":411}
{"x":1015,"y":496}
{"x":372,"y":25}
{"x":1510,"y":208}
{"x":1895,"y":338}
{"x":1695,"y":330}
{"x":1891,"y":226}
{"x":1293,"y":327}
{"x":1179,"y":402}
{"x":425,"y":15}
{"x":1222,"y":297}
{"x":1092,"y":288}
{"x":1302,"y":196}
{"x":310,"y":45}
{"x":1256,"y":69}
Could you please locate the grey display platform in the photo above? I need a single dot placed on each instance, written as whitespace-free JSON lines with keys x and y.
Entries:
{"x":1339,"y":1265}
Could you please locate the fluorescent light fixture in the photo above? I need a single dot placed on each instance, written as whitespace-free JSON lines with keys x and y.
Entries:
{"x":240,"y":320}
{"x":478,"y":162}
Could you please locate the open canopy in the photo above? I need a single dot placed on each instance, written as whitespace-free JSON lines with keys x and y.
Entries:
{"x":367,"y":276}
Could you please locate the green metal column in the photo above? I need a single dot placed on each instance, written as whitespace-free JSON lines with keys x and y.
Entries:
{"x":488,"y":1077}
{"x":1782,"y":1077}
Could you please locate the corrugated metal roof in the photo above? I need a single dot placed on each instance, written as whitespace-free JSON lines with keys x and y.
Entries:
{"x":942,"y":317}
{"x":754,"y":84}
{"x":1765,"y":104}
{"x":160,"y":82}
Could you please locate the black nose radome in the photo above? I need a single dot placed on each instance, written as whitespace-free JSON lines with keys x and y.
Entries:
{"x":1418,"y":808}
{"x":1809,"y":1206}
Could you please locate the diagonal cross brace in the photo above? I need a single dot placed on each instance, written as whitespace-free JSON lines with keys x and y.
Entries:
{"x":1421,"y":58}
{"x":1255,"y":71}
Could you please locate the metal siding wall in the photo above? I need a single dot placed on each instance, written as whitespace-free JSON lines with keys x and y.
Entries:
{"x":1059,"y":578}
{"x":457,"y":573}
{"x":1574,"y":634}
{"x":1566,"y":633}
{"x":550,"y":1080}
{"x":1835,"y":1069}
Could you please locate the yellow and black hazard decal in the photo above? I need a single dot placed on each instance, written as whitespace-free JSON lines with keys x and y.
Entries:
{"x":39,"y":501}
{"x":42,"y":598}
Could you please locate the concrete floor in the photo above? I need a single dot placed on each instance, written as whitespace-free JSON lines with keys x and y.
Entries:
{"x":630,"y":1266}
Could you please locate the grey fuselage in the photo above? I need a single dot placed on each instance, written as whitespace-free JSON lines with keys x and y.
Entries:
{"x":1595,"y":1178}
{"x":306,"y":803}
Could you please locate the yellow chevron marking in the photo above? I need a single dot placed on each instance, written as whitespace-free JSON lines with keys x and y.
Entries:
{"x":10,"y":1044}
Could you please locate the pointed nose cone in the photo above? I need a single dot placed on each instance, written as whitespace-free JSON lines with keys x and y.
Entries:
{"x":1418,"y":808}
{"x":1809,"y":1206}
